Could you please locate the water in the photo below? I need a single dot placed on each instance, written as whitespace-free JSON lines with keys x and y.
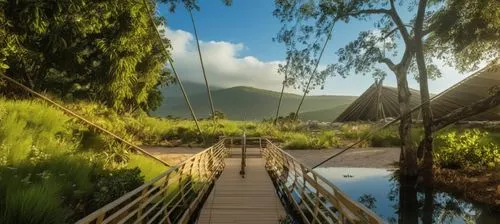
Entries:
{"x":379,"y":191}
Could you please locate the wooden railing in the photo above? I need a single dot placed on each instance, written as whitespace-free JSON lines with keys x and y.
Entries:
{"x":312,"y":197}
{"x":172,"y":197}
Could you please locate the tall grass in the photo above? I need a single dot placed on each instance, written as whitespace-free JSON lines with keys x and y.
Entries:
{"x":55,"y":170}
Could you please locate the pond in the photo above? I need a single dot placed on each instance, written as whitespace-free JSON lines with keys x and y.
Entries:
{"x":378,"y":190}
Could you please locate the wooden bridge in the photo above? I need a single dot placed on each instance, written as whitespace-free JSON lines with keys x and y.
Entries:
{"x":229,"y":184}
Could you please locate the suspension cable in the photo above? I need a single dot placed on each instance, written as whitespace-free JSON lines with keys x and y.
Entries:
{"x":369,"y":134}
{"x":203,"y":70}
{"x":171,"y":63}
{"x":71,"y":113}
{"x":314,"y":70}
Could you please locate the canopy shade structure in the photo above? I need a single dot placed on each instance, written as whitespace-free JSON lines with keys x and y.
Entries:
{"x":477,"y":86}
{"x":377,"y":102}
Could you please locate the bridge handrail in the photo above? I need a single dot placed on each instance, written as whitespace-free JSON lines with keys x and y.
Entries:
{"x":186,"y":180}
{"x":313,"y":197}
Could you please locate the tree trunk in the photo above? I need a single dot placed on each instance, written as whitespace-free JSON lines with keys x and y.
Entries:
{"x":424,"y":95}
{"x":426,"y":147}
{"x":408,"y":158}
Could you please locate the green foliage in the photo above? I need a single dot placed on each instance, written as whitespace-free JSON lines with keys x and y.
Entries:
{"x":52,"y":176}
{"x":469,"y":148}
{"x":388,"y":137}
{"x":82,"y":49}
{"x":114,"y":183}
{"x":219,"y":115}
{"x":32,"y":204}
{"x":29,"y":128}
{"x":471,"y":35}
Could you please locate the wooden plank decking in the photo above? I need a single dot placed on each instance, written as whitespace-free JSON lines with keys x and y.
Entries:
{"x":235,"y":199}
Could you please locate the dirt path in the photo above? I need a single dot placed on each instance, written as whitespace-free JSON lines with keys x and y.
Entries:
{"x":173,"y":155}
{"x":362,"y":157}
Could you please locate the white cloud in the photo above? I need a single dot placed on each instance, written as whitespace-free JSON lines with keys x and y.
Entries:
{"x":223,"y":65}
{"x":226,"y":68}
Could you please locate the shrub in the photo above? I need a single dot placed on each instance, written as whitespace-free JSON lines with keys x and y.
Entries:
{"x":354,"y":130}
{"x":297,"y":141}
{"x":469,"y":148}
{"x":112,"y":184}
{"x":385,"y":138}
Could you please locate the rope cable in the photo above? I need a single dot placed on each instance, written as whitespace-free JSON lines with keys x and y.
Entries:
{"x":203,"y":70}
{"x":314,"y":70}
{"x":70,"y":112}
{"x":171,"y":63}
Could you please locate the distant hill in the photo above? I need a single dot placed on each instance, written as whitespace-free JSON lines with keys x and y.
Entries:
{"x":173,"y":90}
{"x":324,"y":115}
{"x":247,"y":103}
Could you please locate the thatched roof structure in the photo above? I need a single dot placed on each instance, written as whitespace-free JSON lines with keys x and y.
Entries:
{"x":477,"y":86}
{"x":377,"y":102}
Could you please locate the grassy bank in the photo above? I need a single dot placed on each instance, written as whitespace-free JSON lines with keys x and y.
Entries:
{"x":55,"y":170}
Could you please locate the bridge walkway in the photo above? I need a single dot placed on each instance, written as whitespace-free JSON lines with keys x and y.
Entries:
{"x":234,"y":199}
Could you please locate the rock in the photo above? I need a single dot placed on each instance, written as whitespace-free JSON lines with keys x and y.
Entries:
{"x":498,"y":189}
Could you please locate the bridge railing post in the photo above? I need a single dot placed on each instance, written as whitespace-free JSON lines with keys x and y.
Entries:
{"x":243,"y":155}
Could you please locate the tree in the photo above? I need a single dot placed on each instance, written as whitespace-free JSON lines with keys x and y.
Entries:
{"x":364,"y":55}
{"x":80,"y":49}
{"x":463,"y":38}
{"x":219,"y":115}
{"x":466,"y":38}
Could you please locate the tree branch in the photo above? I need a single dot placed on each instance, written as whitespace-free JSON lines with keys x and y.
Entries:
{"x":399,"y":23}
{"x":419,"y":21}
{"x":388,"y":62}
{"x":371,"y":11}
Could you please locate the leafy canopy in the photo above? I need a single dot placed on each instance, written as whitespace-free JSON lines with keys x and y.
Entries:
{"x":468,"y":30}
{"x":99,"y":50}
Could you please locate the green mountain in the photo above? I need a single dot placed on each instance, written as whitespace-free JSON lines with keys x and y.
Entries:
{"x":247,"y":103}
{"x":324,"y":115}
{"x":173,"y":90}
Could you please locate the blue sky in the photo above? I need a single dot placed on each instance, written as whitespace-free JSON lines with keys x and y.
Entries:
{"x":238,"y":49}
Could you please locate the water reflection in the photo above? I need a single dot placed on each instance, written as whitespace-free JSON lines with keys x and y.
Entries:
{"x":378,"y":190}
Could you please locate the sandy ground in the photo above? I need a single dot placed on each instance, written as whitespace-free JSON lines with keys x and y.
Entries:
{"x":173,"y":155}
{"x":357,"y":157}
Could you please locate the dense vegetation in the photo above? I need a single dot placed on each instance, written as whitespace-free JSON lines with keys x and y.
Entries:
{"x":80,"y":49}
{"x":53,"y":169}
